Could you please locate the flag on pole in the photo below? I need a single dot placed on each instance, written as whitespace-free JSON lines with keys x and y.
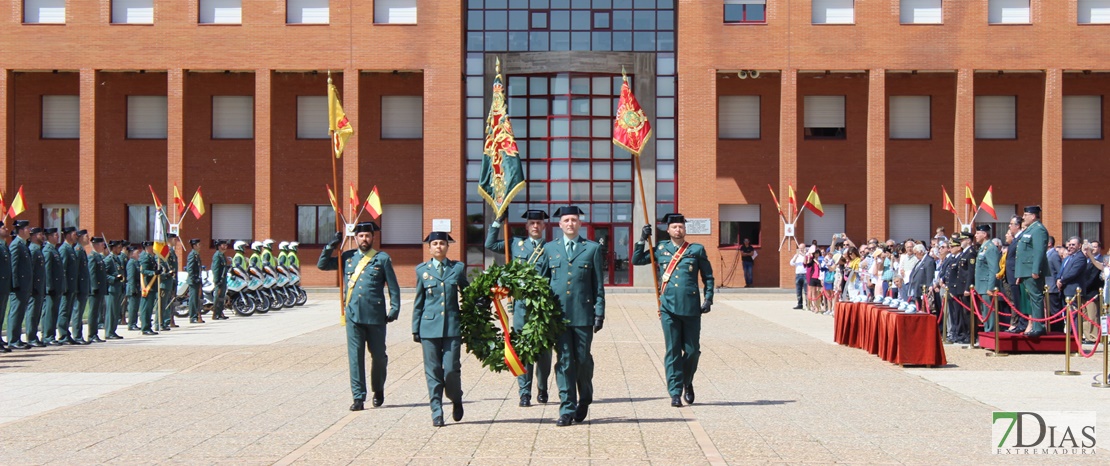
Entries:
{"x":948,"y":205}
{"x":631,"y":129}
{"x":502,"y":176}
{"x":17,"y":206}
{"x":331,"y":197}
{"x":3,"y":207}
{"x":813,"y":203}
{"x":178,"y":202}
{"x":157,"y":202}
{"x":339,"y":127}
{"x":792,"y":200}
{"x":967,"y":195}
{"x":988,"y":203}
{"x":196,"y":206}
{"x":373,"y":204}
{"x":776,"y":199}
{"x":160,"y":227}
{"x":352,"y":198}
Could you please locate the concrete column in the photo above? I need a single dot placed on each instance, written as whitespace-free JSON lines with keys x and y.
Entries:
{"x":87,"y":150}
{"x":788,"y":163}
{"x":444,"y":178}
{"x":6,"y":139}
{"x":175,"y":137}
{"x":963,"y":157}
{"x":262,"y":170}
{"x":876,"y":154}
{"x":349,"y":163}
{"x":1052,"y":153}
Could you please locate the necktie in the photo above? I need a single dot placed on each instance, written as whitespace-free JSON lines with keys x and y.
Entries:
{"x":535,"y":244}
{"x":570,"y":248}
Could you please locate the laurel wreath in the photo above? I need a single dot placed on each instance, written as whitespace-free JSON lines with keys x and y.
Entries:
{"x":480,"y":330}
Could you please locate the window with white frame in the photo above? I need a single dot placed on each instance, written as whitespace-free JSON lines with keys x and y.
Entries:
{"x":737,"y":222}
{"x":823,"y":228}
{"x":834,"y":12}
{"x":312,"y":117}
{"x":1083,"y":220}
{"x":1083,"y":117}
{"x":745,"y":11}
{"x":132,"y":11}
{"x":402,"y":117}
{"x":232,"y":117}
{"x":910,"y":117}
{"x":60,"y":215}
{"x":44,"y":11}
{"x":1008,"y":12}
{"x":996,"y":117}
{"x":738,"y":117}
{"x":221,"y":12}
{"x":61,"y":117}
{"x":405,"y":224}
{"x":909,"y":221}
{"x":921,"y":12}
{"x":824,"y":117}
{"x":232,"y":221}
{"x":394,"y":11}
{"x":307,"y":12}
{"x":1093,"y":12}
{"x":315,"y":224}
{"x":146,"y":117}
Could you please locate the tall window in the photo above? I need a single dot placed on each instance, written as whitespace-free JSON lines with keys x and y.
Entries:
{"x":140,"y":222}
{"x":232,"y":117}
{"x":745,"y":11}
{"x":147,"y":117}
{"x":44,"y":11}
{"x":1093,"y":12}
{"x":824,"y":117}
{"x":909,"y":117}
{"x":307,"y":12}
{"x":921,"y":12}
{"x":405,"y":224}
{"x":738,"y":117}
{"x":60,"y":215}
{"x":133,"y":11}
{"x":1083,"y":117}
{"x":910,"y":221}
{"x":996,"y":117}
{"x":823,"y":228}
{"x":834,"y":12}
{"x":394,"y":11}
{"x":1008,"y":12}
{"x":402,"y":117}
{"x":737,"y":222}
{"x":1083,"y":220}
{"x":312,"y":117}
{"x":61,"y":117}
{"x":315,"y":224}
{"x":221,"y":12}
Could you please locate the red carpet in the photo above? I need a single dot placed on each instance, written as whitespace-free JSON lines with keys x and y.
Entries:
{"x":1018,"y":343}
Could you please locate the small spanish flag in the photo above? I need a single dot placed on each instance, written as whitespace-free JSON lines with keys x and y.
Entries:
{"x":813,"y":203}
{"x":776,"y":198}
{"x":948,"y":205}
{"x":967,"y":195}
{"x":374,"y":204}
{"x":792,"y":200}
{"x":196,"y":206}
{"x":3,"y":207}
{"x":178,"y":202}
{"x":988,"y":203}
{"x":157,"y":202}
{"x":352,"y":198}
{"x":331,"y":197}
{"x":17,"y":204}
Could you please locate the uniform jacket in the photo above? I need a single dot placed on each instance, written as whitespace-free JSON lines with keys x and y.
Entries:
{"x":219,"y":269}
{"x":435,"y":312}
{"x":82,"y":262}
{"x":55,"y":273}
{"x":680,"y":295}
{"x":1031,"y":258}
{"x":521,"y":250}
{"x":367,"y":305}
{"x":148,"y":266}
{"x":98,"y":275}
{"x":134,"y":271}
{"x":38,"y":270}
{"x":22,"y":274}
{"x":1011,"y":259}
{"x":192,"y":267}
{"x":966,"y":274}
{"x":169,"y":274}
{"x":986,"y":268}
{"x":922,"y":275}
{"x":169,"y":281}
{"x":949,"y":269}
{"x":577,"y":280}
{"x":5,"y":270}
{"x":113,"y":269}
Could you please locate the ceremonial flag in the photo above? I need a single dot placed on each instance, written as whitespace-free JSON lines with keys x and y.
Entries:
{"x":17,"y":204}
{"x":157,"y":203}
{"x":631,"y":130}
{"x":178,"y":202}
{"x":352,"y":198}
{"x":339,"y":127}
{"x":792,"y":200}
{"x":948,"y":205}
{"x":502,"y":176}
{"x":3,"y":207}
{"x":196,"y":206}
{"x":331,"y":197}
{"x":813,"y":203}
{"x":988,"y":203}
{"x":373,"y":204}
{"x":967,"y":195}
{"x":776,"y":198}
{"x":160,"y":246}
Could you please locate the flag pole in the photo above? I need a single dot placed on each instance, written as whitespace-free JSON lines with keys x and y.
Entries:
{"x":647,"y":219}
{"x":339,"y":227}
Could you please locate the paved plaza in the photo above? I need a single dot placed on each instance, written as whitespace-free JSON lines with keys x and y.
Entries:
{"x":772,"y":388}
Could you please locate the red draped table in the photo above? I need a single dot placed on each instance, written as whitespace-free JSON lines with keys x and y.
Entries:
{"x":894,"y":336}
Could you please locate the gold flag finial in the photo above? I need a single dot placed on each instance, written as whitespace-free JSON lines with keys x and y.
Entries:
{"x":329,"y":76}
{"x":497,"y":65}
{"x":624,"y":75}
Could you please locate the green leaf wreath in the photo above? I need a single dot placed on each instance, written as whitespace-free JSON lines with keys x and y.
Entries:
{"x":481,"y":331}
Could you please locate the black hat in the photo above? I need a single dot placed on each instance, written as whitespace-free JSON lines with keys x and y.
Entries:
{"x":68,"y":230}
{"x":97,"y":239}
{"x":568,"y":210}
{"x":147,"y":244}
{"x":113,"y":243}
{"x":218,"y":242}
{"x":673,"y":218}
{"x":535,"y":215}
{"x":194,"y":241}
{"x":983,"y":227}
{"x":50,"y":231}
{"x":1033,"y":209}
{"x":36,"y":230}
{"x":82,"y":232}
{"x":440,"y":235}
{"x":133,"y":247}
{"x":171,"y":235}
{"x":20,"y":224}
{"x":367,"y":227}
{"x":124,"y":242}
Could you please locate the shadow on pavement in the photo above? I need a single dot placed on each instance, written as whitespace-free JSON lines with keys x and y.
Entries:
{"x":746,"y":403}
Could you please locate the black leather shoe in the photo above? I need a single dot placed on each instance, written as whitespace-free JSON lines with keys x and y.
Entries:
{"x":5,"y":348}
{"x":457,"y":411}
{"x":525,"y":401}
{"x":79,"y":341}
{"x":564,"y":420}
{"x":114,"y":337}
{"x":676,"y":401}
{"x":54,"y":343}
{"x":798,"y":307}
{"x":689,"y":395}
{"x":379,"y":398}
{"x":542,"y":396}
{"x":149,"y":332}
{"x":19,"y":344}
{"x":97,"y":339}
{"x":581,"y":412}
{"x":192,"y":321}
{"x":37,"y":344}
{"x":165,"y":328}
{"x":132,"y":328}
{"x":437,"y":421}
{"x":1035,"y":334}
{"x":357,"y":406}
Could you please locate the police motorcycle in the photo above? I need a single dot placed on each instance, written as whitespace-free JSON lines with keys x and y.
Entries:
{"x":207,"y":293}
{"x":267,"y":275}
{"x":293,"y":267}
{"x":289,"y":277}
{"x":243,"y":286}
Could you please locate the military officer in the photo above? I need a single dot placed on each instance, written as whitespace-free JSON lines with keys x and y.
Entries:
{"x":219,"y":279}
{"x":114,"y":271}
{"x":679,"y":262}
{"x":575,"y":272}
{"x":69,"y":322}
{"x":38,"y":290}
{"x":169,"y":283}
{"x":5,"y":278}
{"x":954,"y":278}
{"x":193,"y":278}
{"x":148,"y":274}
{"x":124,"y":257}
{"x":986,"y":271}
{"x":98,"y":288}
{"x":79,"y":304}
{"x":19,"y":300}
{"x":435,"y":325}
{"x":1032,"y":266}
{"x":366,"y":274}
{"x":134,"y":286}
{"x":526,"y":249}
{"x":55,"y":288}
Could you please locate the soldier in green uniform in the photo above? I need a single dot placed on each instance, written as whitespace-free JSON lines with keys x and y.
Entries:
{"x":19,"y":299}
{"x":38,"y":289}
{"x":165,"y":298}
{"x":219,"y":279}
{"x":366,"y":274}
{"x":55,"y":287}
{"x":114,"y":270}
{"x":574,"y":269}
{"x":66,"y":317}
{"x":169,"y":283}
{"x":124,"y":257}
{"x":5,"y":278}
{"x":435,"y":325}
{"x":98,"y":288}
{"x":81,"y":301}
{"x":526,"y":249}
{"x":679,"y":262}
{"x":986,"y":271}
{"x":148,"y":274}
{"x":193,"y":278}
{"x":1032,"y":266}
{"x":134,"y":286}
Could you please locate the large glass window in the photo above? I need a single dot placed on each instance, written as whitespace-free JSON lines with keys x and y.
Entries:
{"x":745,"y":11}
{"x":60,"y":215}
{"x":315,"y":224}
{"x":498,"y":26}
{"x":140,"y":222}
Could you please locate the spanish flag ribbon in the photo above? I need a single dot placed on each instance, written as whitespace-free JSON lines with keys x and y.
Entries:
{"x":512,"y":360}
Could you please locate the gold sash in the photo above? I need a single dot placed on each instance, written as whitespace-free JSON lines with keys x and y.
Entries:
{"x":357,"y":273}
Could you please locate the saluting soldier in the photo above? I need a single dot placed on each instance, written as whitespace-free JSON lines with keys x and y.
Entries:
{"x":169,"y":283}
{"x":55,"y":288}
{"x":115,"y":271}
{"x":81,"y":297}
{"x":98,"y":288}
{"x":5,"y":278}
{"x":134,"y":286}
{"x":192,"y":269}
{"x":19,"y":300}
{"x":1032,"y":266}
{"x":986,"y":270}
{"x":148,"y":273}
{"x":366,"y":274}
{"x":575,"y":272}
{"x":38,"y":290}
{"x":680,"y":309}
{"x":435,"y":325}
{"x":219,"y":279}
{"x":526,"y":249}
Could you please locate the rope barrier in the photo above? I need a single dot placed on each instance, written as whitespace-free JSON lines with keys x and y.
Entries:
{"x":1075,"y":332}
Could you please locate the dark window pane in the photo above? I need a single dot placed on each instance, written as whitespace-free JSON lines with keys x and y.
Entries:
{"x":537,"y":4}
{"x":622,"y":41}
{"x":560,"y":41}
{"x":537,"y":41}
{"x":539,"y":20}
{"x":603,"y":4}
{"x":665,"y":4}
{"x":518,"y":41}
{"x":496,"y":4}
{"x":474,"y":20}
{"x":622,"y":20}
{"x":580,"y":4}
{"x":523,"y":4}
{"x":497,"y":20}
{"x":580,"y":40}
{"x":602,"y":41}
{"x":538,"y":85}
{"x":580,"y":170}
{"x":644,"y":20}
{"x":560,"y":20}
{"x":622,"y":4}
{"x":757,"y":13}
{"x":734,"y":13}
{"x":474,"y":4}
{"x":645,"y":4}
{"x":518,"y":20}
{"x":580,"y":20}
{"x":601,"y":20}
{"x":563,"y":4}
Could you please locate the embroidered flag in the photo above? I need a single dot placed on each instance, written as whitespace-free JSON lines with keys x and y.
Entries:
{"x":631,"y":129}
{"x":502,"y":176}
{"x":339,"y":127}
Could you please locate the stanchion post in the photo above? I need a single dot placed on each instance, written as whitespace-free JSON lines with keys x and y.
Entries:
{"x":997,"y":343}
{"x":971,"y":320}
{"x":1067,"y":336}
{"x":1105,"y":353}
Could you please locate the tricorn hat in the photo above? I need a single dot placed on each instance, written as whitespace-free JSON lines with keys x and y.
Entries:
{"x":983,"y":227}
{"x":367,"y":227}
{"x":535,"y":215}
{"x":439,"y":235}
{"x":568,"y":210}
{"x":673,"y":218}
{"x":1032,"y":209}
{"x":194,"y":241}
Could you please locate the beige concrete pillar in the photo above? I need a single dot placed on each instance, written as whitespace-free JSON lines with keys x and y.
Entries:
{"x":876,"y":154}
{"x":87,"y":151}
{"x":788,"y":164}
{"x":262,"y":171}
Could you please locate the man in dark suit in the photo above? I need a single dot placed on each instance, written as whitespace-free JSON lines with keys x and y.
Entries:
{"x":1073,"y":273}
{"x":1055,"y":302}
{"x":1017,"y":323}
{"x":921,"y":276}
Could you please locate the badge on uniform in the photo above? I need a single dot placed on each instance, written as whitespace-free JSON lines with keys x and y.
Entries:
{"x":426,"y":275}
{"x":520,"y":243}
{"x":972,"y":261}
{"x":660,"y":247}
{"x":690,"y":268}
{"x":666,"y":253}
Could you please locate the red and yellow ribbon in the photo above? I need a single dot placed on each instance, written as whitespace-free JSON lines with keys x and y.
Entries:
{"x":516,"y":366}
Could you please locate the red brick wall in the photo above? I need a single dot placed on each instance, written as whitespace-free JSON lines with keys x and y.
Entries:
{"x":43,"y":167}
{"x":1012,"y":166}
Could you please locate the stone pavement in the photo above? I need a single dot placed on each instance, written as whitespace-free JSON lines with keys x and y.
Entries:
{"x":273,"y":389}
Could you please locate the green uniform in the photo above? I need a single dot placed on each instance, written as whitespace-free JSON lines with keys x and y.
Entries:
{"x":19,"y":299}
{"x":98,"y":292}
{"x":81,"y":298}
{"x":147,"y":269}
{"x":5,"y":281}
{"x":577,"y":281}
{"x":219,"y":279}
{"x":986,"y":278}
{"x":531,"y":251}
{"x":114,"y":272}
{"x":38,"y":292}
{"x":435,"y":319}
{"x":366,"y":313}
{"x":192,"y":268}
{"x":68,"y":321}
{"x":125,"y":300}
{"x":1031,"y":260}
{"x":167,"y":286}
{"x":134,"y":293}
{"x":55,"y":287}
{"x":680,"y":307}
